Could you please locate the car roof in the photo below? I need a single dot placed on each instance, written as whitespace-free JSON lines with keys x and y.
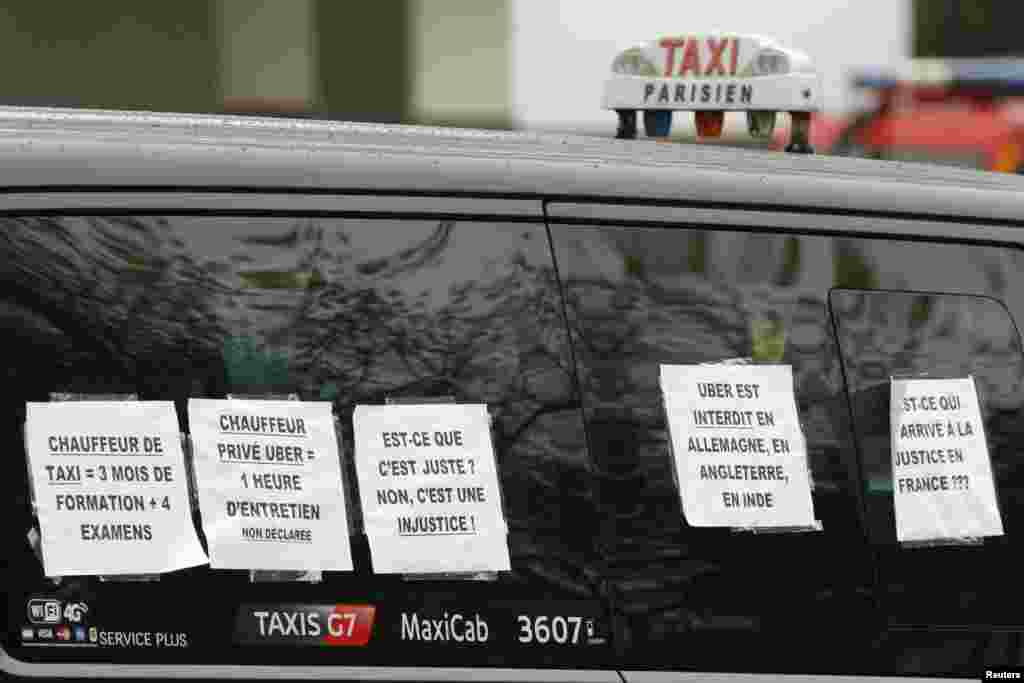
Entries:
{"x":74,"y":149}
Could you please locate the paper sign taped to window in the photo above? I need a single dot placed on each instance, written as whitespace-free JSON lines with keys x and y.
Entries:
{"x":739,"y":451}
{"x":270,"y":488}
{"x":429,"y":489}
{"x":111,"y":488}
{"x":941,"y":472}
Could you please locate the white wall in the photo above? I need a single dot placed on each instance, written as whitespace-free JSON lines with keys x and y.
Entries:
{"x":562,"y":50}
{"x":267,"y":51}
{"x":461,"y":61}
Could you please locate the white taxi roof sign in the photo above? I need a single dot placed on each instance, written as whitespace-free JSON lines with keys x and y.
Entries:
{"x":713,"y":72}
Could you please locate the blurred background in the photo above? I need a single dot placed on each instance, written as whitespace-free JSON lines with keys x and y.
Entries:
{"x":491,"y":63}
{"x":507,"y":64}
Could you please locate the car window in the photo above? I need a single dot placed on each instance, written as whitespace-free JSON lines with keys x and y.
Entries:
{"x":348,"y":310}
{"x":690,"y":597}
{"x":936,"y":335}
{"x":640,"y":297}
{"x":940,"y":311}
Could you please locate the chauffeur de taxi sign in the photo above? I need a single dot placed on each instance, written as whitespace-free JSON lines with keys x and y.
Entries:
{"x":711,"y":74}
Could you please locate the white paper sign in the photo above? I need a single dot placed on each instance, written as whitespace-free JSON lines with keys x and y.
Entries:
{"x":740,"y":455}
{"x":111,"y":488}
{"x":269,"y":479}
{"x":941,"y":473}
{"x":429,"y":489}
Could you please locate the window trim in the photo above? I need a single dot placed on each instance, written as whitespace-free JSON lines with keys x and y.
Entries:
{"x":810,"y":223}
{"x":189,"y":202}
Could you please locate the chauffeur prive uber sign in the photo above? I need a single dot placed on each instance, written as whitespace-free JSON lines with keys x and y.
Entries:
{"x":269,"y":482}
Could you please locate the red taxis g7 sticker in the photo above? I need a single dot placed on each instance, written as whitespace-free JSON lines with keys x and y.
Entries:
{"x":297,"y":624}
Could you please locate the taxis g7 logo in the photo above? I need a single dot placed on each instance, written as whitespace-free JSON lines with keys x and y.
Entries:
{"x":449,"y":627}
{"x":331,"y":625}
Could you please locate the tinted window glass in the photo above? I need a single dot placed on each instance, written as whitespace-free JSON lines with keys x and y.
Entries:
{"x":885,"y":334}
{"x":641,"y":297}
{"x":958,"y":314}
{"x":695,"y":597}
{"x":347,"y":310}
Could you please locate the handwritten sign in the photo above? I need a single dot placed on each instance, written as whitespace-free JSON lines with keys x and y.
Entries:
{"x":269,"y":481}
{"x":429,"y":488}
{"x":110,"y":487}
{"x":739,"y":451}
{"x":942,"y":476}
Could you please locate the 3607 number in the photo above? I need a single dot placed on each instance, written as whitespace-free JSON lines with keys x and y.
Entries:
{"x":544,"y":630}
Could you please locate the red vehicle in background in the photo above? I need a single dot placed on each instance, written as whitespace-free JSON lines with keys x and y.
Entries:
{"x":967,"y":113}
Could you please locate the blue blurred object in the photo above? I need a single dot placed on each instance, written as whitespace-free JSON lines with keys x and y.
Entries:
{"x":1002,"y":76}
{"x":875,"y":81}
{"x":657,"y":123}
{"x":989,"y":76}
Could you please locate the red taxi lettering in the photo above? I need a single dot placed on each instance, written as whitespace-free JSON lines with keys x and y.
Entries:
{"x":670,"y":44}
{"x":691,"y":58}
{"x":719,"y":50}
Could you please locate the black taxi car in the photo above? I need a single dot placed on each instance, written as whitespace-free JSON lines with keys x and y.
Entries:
{"x":171,"y":257}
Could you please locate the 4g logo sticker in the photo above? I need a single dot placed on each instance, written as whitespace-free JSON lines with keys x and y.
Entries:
{"x":74,"y":612}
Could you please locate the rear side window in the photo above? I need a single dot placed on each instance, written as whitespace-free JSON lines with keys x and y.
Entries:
{"x":911,"y":334}
{"x":691,"y":598}
{"x":348,"y":310}
{"x":928,"y":310}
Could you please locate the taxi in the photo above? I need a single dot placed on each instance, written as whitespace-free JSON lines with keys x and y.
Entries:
{"x":711,"y":75}
{"x":416,"y":404}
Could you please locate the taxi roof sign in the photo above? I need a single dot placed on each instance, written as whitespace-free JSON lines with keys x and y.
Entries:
{"x":713,"y":72}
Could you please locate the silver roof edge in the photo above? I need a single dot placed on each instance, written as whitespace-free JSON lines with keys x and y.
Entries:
{"x":76,"y":148}
{"x":17,"y":667}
